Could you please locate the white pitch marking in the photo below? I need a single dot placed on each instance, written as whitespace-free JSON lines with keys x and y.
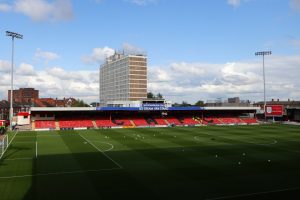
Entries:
{"x":11,"y":159}
{"x":274,"y":142}
{"x":59,"y":173}
{"x":101,"y":152}
{"x":112,"y":146}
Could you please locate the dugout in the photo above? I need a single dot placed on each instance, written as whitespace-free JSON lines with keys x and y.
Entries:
{"x":293,"y":114}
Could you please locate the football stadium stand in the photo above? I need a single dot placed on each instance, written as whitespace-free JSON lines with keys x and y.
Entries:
{"x":112,"y":117}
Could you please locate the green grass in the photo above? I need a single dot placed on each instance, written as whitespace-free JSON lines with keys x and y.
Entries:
{"x":232,"y":162}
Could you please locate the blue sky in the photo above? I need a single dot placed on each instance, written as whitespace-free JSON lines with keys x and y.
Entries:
{"x":196,"y":49}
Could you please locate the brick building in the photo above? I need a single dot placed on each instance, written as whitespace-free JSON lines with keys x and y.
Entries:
{"x":24,"y":95}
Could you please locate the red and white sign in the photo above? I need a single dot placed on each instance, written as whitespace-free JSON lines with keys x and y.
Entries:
{"x":23,"y":118}
{"x":274,"y":110}
{"x":2,"y":122}
{"x":23,"y":114}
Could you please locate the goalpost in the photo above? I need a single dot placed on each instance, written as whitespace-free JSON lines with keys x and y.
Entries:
{"x":3,"y":144}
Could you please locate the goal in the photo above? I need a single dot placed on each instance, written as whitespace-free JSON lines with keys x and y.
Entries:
{"x":3,"y":144}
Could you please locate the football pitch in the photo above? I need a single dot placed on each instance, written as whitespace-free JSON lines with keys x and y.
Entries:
{"x":213,"y":162}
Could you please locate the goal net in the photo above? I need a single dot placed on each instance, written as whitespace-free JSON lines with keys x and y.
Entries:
{"x":3,"y":144}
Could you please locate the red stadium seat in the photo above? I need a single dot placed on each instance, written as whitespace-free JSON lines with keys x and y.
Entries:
{"x":104,"y":122}
{"x":139,"y":121}
{"x":160,"y":121}
{"x":45,"y":124}
{"x":75,"y":123}
{"x":173,"y":120}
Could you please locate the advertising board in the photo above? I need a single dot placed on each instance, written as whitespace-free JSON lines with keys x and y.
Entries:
{"x":274,"y":110}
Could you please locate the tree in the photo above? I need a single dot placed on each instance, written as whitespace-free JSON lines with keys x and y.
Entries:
{"x":80,"y":103}
{"x":159,"y":96}
{"x":176,"y":105}
{"x":150,"y":95}
{"x":200,"y":103}
{"x":184,"y":103}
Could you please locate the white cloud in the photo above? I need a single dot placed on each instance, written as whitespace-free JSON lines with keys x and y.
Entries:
{"x":231,"y":74}
{"x":98,"y":1}
{"x":65,"y":75}
{"x":54,"y":82}
{"x":132,"y":49}
{"x":141,"y":2}
{"x":234,"y":3}
{"x":295,"y":4}
{"x":26,"y":70}
{"x":205,"y":81}
{"x":5,"y":66}
{"x":38,"y":10}
{"x":98,"y":55}
{"x":41,"y":10}
{"x":156,"y":74}
{"x":187,"y":68}
{"x":5,"y":7}
{"x":63,"y":10}
{"x":45,"y":55}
